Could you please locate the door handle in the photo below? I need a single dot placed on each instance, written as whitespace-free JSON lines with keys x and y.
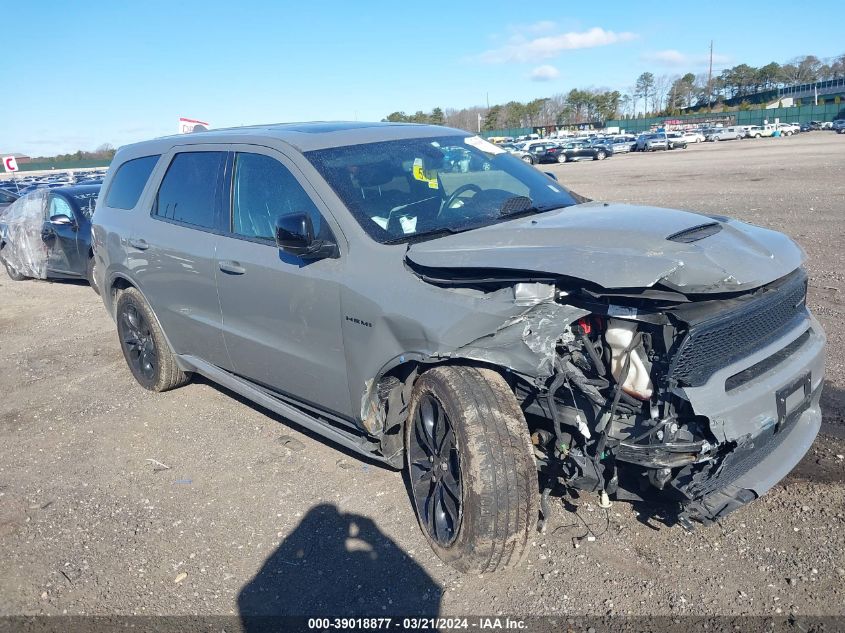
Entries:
{"x":140,"y":244}
{"x":233,"y":268}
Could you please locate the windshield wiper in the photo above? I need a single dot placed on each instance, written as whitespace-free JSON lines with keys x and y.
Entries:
{"x":511,"y":213}
{"x":428,"y":235}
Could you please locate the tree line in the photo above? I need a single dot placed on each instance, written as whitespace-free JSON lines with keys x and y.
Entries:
{"x":104,"y":152}
{"x":667,"y":94}
{"x":650,"y":95}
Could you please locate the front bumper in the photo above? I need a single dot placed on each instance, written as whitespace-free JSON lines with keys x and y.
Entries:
{"x":772,"y":417}
{"x":752,"y":470}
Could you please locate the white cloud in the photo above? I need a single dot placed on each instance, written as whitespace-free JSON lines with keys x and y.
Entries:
{"x":523,"y":49}
{"x":544,"y":73}
{"x":676,"y":59}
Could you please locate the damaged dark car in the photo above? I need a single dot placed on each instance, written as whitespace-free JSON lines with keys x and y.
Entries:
{"x":471,"y":320}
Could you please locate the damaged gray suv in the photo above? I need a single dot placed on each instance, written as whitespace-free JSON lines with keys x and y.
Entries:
{"x":422,"y":298}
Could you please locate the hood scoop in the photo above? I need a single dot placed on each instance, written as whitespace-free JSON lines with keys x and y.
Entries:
{"x":695,"y":233}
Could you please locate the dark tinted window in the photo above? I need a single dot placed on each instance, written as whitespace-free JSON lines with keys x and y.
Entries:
{"x":187,"y":192}
{"x":263,"y":191}
{"x":129,"y":181}
{"x":7,"y":198}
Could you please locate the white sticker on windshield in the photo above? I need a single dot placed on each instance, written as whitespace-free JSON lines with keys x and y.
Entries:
{"x":485,"y":146}
{"x":409,"y":225}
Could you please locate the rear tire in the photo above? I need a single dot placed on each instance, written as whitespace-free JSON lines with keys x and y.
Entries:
{"x":144,"y":347}
{"x":528,"y":160}
{"x":489,"y":461}
{"x":90,"y":275}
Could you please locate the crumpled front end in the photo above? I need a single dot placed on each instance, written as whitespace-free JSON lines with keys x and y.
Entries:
{"x":706,"y":400}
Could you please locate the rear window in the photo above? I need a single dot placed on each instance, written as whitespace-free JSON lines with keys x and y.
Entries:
{"x":129,"y":182}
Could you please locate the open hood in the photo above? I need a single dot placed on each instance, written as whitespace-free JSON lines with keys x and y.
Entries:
{"x":622,"y":246}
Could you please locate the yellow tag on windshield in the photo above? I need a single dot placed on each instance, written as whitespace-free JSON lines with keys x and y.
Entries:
{"x":419,"y":174}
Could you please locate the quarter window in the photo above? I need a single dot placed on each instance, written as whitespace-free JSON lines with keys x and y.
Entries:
{"x":264,"y":190}
{"x":129,"y":182}
{"x":187,"y":193}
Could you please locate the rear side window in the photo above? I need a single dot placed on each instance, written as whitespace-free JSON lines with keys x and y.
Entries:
{"x":187,"y":193}
{"x":129,"y":181}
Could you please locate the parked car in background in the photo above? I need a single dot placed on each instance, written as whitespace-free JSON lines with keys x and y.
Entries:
{"x":7,"y":198}
{"x":693,"y":136}
{"x":676,"y":140}
{"x":725,"y":134}
{"x":621,"y":144}
{"x":537,"y":152}
{"x":827,"y":125}
{"x":652,"y":142}
{"x":546,"y":153}
{"x":603,"y":142}
{"x":46,"y":234}
{"x":805,"y":127}
{"x":788,"y":129}
{"x":581,"y":150}
{"x":838,"y":124}
{"x":759,"y":131}
{"x":840,"y":130}
{"x":816,"y":125}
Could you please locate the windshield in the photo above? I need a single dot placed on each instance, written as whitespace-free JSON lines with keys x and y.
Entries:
{"x":412,"y":188}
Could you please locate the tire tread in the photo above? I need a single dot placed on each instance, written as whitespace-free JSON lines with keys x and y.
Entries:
{"x":507,"y":489}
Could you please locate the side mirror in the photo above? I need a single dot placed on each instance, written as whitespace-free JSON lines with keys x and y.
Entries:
{"x":62,"y":220}
{"x":295,"y":235}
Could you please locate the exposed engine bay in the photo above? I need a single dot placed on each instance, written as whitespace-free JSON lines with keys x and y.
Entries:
{"x":615,"y":407}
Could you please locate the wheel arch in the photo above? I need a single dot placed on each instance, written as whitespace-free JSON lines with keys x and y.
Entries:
{"x":118,"y":284}
{"x":385,"y":401}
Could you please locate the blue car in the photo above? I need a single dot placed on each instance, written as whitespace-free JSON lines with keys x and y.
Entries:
{"x":46,"y":234}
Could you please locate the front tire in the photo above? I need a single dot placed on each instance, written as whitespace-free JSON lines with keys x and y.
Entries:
{"x":144,"y":347}
{"x":600,"y":155}
{"x":473,"y":479}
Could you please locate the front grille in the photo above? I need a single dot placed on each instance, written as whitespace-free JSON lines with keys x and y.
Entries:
{"x":767,"y":364}
{"x":725,"y":339}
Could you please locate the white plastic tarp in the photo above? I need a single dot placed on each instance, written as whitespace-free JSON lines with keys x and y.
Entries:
{"x":20,"y":231}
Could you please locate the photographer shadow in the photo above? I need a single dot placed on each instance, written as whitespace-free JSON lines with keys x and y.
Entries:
{"x":336,"y":565}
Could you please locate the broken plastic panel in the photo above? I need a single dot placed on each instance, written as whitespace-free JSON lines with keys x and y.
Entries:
{"x":20,"y":229}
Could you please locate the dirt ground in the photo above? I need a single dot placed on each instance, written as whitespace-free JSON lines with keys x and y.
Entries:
{"x":114,"y":500}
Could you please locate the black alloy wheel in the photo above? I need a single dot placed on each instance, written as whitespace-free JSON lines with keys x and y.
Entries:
{"x":138,"y":343}
{"x":435,"y":471}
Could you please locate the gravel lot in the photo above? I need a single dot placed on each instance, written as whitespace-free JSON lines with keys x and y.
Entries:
{"x":114,"y":500}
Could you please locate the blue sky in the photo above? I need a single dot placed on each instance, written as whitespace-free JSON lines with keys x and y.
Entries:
{"x":78,"y":74}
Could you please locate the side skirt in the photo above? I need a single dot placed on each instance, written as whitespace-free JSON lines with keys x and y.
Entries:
{"x":352,"y":441}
